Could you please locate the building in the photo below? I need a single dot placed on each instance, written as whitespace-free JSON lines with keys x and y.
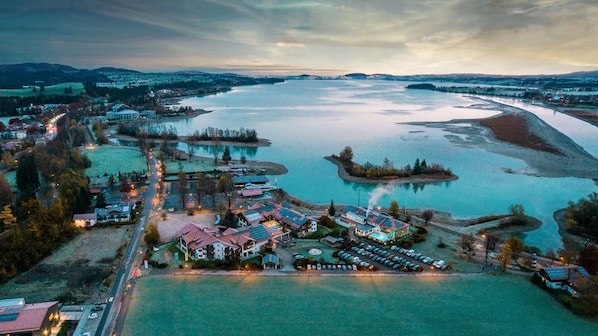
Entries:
{"x":255,"y":180}
{"x":563,"y":278}
{"x":283,"y":214}
{"x":199,"y":242}
{"x":270,"y":261}
{"x":118,"y":212}
{"x":85,"y":220}
{"x":370,"y":223}
{"x":36,"y":319}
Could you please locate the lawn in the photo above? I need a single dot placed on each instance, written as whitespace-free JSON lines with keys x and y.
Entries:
{"x":111,"y":160}
{"x":335,"y":305}
{"x":48,"y":90}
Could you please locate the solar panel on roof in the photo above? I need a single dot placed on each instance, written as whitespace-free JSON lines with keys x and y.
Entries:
{"x":8,"y":317}
{"x":259,"y":233}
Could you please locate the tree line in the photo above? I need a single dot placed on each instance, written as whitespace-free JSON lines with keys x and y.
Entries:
{"x":51,"y":188}
{"x":240,"y":135}
{"x":582,"y":216}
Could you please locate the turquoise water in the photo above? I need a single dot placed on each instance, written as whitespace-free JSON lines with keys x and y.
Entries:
{"x":307,"y":120}
{"x":364,"y":305}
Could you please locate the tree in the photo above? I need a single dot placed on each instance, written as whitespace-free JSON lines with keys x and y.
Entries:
{"x":216,"y":144}
{"x":6,"y":195}
{"x":27,"y":177}
{"x":427,"y":215}
{"x":586,"y":302}
{"x":550,"y":254}
{"x":152,"y":235}
{"x":7,"y":219}
{"x":182,"y":186}
{"x":326,"y":222}
{"x":568,"y":256}
{"x":515,"y":244}
{"x":346,"y":155}
{"x":467,"y":243}
{"x":416,"y":167}
{"x":331,"y":210}
{"x":507,"y":254}
{"x":101,"y":200}
{"x":394,"y":208}
{"x":588,"y":258}
{"x":226,"y":155}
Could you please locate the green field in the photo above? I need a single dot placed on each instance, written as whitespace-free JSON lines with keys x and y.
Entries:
{"x":337,"y":305}
{"x":48,"y":90}
{"x":111,"y":160}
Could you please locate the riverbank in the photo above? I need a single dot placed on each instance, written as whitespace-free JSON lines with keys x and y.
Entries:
{"x":416,"y":179}
{"x":520,"y":134}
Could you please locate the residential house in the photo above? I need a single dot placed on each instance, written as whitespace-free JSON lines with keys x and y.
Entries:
{"x":563,"y":278}
{"x":117,"y":212}
{"x":36,"y":319}
{"x":85,"y":220}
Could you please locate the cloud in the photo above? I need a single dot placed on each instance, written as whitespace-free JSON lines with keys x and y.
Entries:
{"x":428,"y":36}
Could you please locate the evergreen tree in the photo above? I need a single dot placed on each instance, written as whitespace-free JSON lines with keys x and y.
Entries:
{"x":331,"y":209}
{"x":27,"y":177}
{"x":226,"y":155}
{"x":417,"y":167}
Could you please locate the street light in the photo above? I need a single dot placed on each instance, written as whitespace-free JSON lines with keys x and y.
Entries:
{"x":487,"y":246}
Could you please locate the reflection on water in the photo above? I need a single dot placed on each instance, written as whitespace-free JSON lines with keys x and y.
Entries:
{"x":307,"y":120}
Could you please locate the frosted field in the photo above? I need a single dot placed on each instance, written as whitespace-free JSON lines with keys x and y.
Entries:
{"x":111,"y":160}
{"x":327,"y":305}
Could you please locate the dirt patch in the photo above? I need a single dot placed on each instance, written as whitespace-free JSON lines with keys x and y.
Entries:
{"x":77,"y":271}
{"x":515,"y":129}
{"x":177,"y":220}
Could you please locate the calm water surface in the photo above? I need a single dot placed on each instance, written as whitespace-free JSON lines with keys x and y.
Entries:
{"x":307,"y":120}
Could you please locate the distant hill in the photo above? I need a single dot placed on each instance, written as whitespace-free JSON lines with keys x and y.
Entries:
{"x":15,"y":76}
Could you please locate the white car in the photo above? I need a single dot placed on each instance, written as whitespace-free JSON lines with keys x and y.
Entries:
{"x":92,"y":316}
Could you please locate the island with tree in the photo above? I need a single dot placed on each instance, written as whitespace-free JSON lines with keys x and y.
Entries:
{"x":421,"y":172}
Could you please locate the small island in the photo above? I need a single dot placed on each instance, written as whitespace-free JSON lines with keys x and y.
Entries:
{"x":420,"y":173}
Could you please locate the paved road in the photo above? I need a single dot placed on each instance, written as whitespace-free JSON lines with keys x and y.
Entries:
{"x":131,"y":260}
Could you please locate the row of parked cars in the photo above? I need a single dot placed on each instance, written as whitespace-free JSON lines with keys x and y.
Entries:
{"x":331,"y":267}
{"x":355,"y":261}
{"x":384,"y":257}
{"x":440,"y":264}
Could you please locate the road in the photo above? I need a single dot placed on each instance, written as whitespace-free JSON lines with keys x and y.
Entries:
{"x":130,"y":260}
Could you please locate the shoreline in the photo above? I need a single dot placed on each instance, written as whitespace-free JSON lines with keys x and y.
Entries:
{"x":426,"y":179}
{"x":571,"y":160}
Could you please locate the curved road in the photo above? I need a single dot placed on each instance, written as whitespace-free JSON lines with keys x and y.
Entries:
{"x":130,"y":260}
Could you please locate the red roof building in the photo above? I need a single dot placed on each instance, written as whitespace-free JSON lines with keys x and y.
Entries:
{"x":35,"y":319}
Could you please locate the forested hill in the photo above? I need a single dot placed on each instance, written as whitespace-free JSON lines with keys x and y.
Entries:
{"x":15,"y":76}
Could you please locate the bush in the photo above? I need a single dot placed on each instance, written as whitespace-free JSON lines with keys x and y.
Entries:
{"x":418,"y":238}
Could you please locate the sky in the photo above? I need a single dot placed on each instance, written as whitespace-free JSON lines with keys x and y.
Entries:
{"x":326,"y":37}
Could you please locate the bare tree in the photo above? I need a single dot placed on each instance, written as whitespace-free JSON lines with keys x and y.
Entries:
{"x":427,"y":215}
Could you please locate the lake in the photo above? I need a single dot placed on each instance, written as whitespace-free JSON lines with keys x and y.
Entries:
{"x":307,"y":120}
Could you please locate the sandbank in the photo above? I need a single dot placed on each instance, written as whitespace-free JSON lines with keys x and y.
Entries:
{"x":546,"y":151}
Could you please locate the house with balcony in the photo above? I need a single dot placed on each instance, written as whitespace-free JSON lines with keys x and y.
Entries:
{"x":199,"y":242}
{"x":114,"y":213}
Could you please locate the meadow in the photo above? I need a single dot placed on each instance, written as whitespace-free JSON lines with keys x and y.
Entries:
{"x":347,"y":305}
{"x":106,"y":160}
{"x":48,"y":90}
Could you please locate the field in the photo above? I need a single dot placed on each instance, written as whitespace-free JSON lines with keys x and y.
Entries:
{"x":106,"y":160}
{"x":333,"y":305}
{"x":75,"y":271}
{"x":48,"y":90}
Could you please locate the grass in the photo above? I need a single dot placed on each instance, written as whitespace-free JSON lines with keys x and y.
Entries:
{"x":300,"y":305}
{"x":111,"y":160}
{"x":48,"y":91}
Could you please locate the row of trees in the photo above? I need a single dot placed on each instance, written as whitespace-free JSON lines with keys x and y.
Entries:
{"x":154,"y":131}
{"x":240,"y":135}
{"x":387,"y":169}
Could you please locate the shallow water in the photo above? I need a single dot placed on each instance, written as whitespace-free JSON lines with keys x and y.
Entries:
{"x":307,"y":120}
